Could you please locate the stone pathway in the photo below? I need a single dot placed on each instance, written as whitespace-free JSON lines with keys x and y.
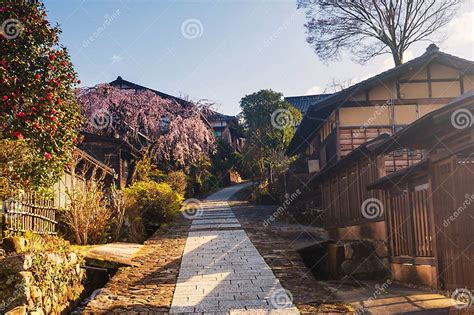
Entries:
{"x":222,"y":271}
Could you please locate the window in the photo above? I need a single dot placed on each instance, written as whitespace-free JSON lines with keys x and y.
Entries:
{"x":218,"y":134}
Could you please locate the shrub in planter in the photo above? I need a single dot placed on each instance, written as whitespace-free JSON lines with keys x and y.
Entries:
{"x":157,"y":203}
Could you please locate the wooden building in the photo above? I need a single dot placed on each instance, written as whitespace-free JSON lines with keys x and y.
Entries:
{"x":39,"y":214}
{"x":115,"y":153}
{"x":335,"y":125}
{"x":226,"y":128}
{"x":430,"y":206}
{"x":343,"y":187}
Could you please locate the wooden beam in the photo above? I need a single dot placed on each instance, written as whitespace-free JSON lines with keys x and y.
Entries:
{"x":429,"y":80}
{"x":407,"y":101}
{"x":430,"y":88}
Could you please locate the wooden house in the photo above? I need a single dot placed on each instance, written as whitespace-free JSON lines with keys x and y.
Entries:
{"x":335,"y":125}
{"x":429,"y":207}
{"x":226,"y":128}
{"x":39,"y":214}
{"x":115,"y":153}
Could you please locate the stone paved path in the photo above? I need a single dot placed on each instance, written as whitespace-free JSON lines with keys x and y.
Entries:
{"x":221,"y":270}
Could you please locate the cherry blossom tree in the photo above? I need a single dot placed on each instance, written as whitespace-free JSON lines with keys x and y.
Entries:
{"x":176,"y":134}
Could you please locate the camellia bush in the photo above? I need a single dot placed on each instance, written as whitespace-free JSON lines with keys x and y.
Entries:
{"x":37,"y":102}
{"x":175,"y":134}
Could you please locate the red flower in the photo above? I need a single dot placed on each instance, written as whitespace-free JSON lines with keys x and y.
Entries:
{"x":65,"y":63}
{"x":52,"y":57}
{"x":3,"y":9}
{"x":18,"y":135}
{"x":5,"y":97}
{"x":33,"y":109}
{"x":20,"y":115}
{"x":59,"y":101}
{"x":47,"y":155}
{"x":49,"y":96}
{"x":54,"y":118}
{"x":36,"y":125}
{"x":37,"y":76}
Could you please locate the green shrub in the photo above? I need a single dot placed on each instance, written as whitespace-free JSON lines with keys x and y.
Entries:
{"x":178,"y":181}
{"x":156,"y":202}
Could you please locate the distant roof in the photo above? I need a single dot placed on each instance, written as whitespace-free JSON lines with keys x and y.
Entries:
{"x":212,"y":115}
{"x":302,"y":103}
{"x":317,"y":113}
{"x":124,"y":84}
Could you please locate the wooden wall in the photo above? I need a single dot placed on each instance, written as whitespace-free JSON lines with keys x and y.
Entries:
{"x":351,"y":138}
{"x":453,"y":206}
{"x":344,"y":191}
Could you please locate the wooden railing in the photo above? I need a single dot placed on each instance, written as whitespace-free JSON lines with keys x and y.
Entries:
{"x":29,"y":212}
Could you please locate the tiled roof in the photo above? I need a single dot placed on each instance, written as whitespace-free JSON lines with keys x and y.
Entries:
{"x":302,"y":103}
{"x":212,"y":115}
{"x":121,"y":83}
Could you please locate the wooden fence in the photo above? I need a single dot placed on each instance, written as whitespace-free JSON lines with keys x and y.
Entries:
{"x":29,"y":212}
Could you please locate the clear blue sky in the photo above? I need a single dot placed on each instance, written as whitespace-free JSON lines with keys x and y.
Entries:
{"x":242,"y":47}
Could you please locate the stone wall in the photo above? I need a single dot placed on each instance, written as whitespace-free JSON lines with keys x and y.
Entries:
{"x":361,"y":259}
{"x":39,"y":280}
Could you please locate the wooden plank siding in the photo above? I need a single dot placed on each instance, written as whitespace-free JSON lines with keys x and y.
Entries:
{"x":353,"y":137}
{"x":345,"y":190}
{"x":409,"y":230}
{"x":453,"y":191}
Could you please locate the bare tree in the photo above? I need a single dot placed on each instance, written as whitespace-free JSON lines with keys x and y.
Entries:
{"x":369,"y":28}
{"x":337,"y":85}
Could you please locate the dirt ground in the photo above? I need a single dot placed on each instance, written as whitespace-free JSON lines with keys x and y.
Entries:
{"x":278,"y":242}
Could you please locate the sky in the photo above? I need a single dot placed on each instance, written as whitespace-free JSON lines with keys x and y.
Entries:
{"x":216,"y":50}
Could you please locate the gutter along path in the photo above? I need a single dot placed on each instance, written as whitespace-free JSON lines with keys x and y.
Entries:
{"x":222,"y":271}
